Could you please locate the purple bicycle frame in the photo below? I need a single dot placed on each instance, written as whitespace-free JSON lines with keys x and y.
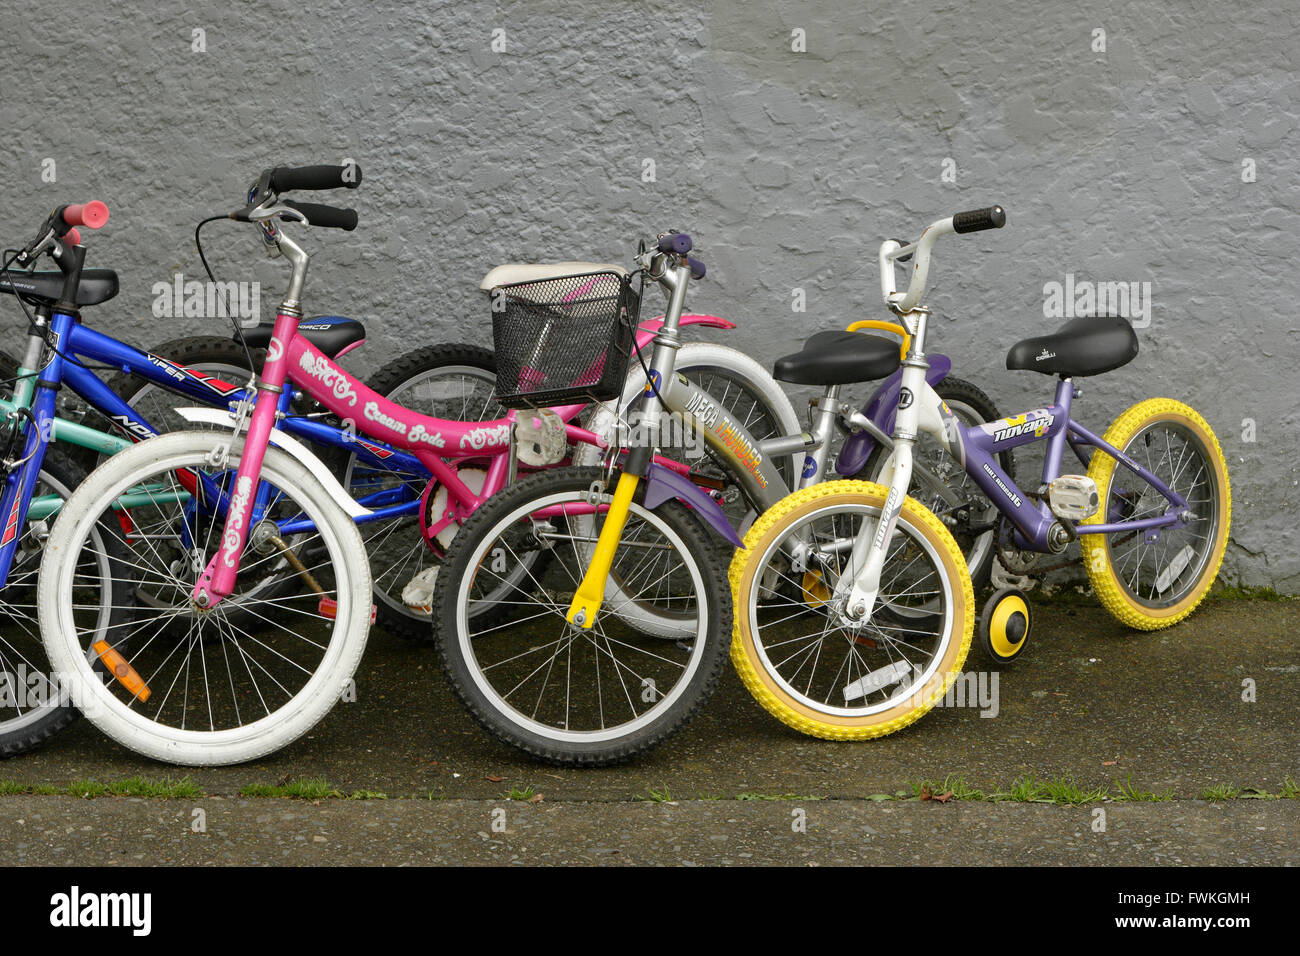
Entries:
{"x":981,"y":444}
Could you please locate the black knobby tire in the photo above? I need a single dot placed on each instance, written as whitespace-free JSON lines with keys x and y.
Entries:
{"x":401,"y":621}
{"x":701,"y":684}
{"x":69,"y":474}
{"x":957,"y":391}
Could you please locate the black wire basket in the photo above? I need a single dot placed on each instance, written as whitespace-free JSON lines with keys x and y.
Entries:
{"x":565,"y":340}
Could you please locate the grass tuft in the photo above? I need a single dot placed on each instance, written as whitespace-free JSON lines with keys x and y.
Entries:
{"x":311,"y":788}
{"x":1128,"y":793}
{"x":1221,"y":792}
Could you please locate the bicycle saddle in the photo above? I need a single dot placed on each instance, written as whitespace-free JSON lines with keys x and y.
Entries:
{"x":97,"y":285}
{"x":332,"y":334}
{"x":838,"y":358}
{"x":1084,"y":346}
{"x":514,"y":272}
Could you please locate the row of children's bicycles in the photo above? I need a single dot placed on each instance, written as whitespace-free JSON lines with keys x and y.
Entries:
{"x":197,"y":538}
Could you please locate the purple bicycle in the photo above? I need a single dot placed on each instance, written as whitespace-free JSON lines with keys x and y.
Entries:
{"x":854,"y":609}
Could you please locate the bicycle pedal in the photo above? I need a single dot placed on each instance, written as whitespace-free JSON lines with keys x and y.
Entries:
{"x":1073,"y":497}
{"x":540,"y":438}
{"x":329,"y":608}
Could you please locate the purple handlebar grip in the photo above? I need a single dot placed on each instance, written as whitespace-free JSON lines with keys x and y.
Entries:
{"x":697,"y":268}
{"x":678,"y":242}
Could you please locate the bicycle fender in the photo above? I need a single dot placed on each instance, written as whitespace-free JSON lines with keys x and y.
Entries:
{"x":881,"y":408}
{"x":664,"y":483}
{"x":690,"y":318}
{"x":291,"y":446}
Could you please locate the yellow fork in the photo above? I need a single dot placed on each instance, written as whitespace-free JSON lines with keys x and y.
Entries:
{"x":591,"y":592}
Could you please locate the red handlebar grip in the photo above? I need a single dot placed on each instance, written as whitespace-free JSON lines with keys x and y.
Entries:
{"x":72,"y":237}
{"x":92,"y":214}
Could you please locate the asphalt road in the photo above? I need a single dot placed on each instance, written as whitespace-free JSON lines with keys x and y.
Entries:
{"x":1091,"y":701}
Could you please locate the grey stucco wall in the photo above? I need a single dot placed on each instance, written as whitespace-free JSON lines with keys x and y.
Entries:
{"x":789,"y":167}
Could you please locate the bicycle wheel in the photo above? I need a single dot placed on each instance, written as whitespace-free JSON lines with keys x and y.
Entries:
{"x":1153,"y":579}
{"x":443,"y":381}
{"x":810,"y":666}
{"x":32,"y":706}
{"x":557,"y":692}
{"x":199,"y":687}
{"x":960,"y":504}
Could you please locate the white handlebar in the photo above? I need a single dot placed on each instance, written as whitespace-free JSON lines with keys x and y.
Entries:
{"x":891,"y":250}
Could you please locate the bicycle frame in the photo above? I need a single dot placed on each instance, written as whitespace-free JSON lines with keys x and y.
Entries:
{"x":977,"y":447}
{"x":290,"y":358}
{"x":84,"y":343}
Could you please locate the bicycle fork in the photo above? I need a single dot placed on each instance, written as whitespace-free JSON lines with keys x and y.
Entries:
{"x":663,"y":364}
{"x":856,"y":593}
{"x":218,"y":579}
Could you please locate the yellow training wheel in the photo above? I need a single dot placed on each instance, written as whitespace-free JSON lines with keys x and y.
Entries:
{"x":1005,"y":625}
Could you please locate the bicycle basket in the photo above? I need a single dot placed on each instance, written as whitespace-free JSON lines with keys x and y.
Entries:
{"x":563,"y":341}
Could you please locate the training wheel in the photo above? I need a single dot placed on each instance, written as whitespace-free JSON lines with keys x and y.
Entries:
{"x":1005,"y":625}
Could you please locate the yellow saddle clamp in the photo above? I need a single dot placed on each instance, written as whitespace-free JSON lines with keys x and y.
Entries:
{"x":591,"y":592}
{"x":885,"y":327}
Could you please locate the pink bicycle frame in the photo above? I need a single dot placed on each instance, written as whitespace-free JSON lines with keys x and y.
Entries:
{"x":290,"y":357}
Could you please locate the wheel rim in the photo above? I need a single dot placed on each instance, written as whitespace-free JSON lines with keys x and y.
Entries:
{"x":804,"y":647}
{"x":211,"y":679}
{"x":1177,"y":456}
{"x":535,"y":688}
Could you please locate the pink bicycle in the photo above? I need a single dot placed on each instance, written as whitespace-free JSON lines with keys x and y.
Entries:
{"x":205,"y":514}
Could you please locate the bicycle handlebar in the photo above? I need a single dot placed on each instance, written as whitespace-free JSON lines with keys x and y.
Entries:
{"x":285,"y":178}
{"x":891,"y":251}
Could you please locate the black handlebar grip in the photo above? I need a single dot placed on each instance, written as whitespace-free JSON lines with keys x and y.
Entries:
{"x":994,"y":217}
{"x":284,"y":178}
{"x":697,"y":268}
{"x":678,"y":242}
{"x":330,"y":217}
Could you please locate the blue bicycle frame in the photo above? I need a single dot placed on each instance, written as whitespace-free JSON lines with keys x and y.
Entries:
{"x":62,"y":365}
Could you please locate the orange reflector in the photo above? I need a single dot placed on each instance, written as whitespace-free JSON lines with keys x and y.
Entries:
{"x":328,"y":607}
{"x":815,"y":593}
{"x":124,"y":672}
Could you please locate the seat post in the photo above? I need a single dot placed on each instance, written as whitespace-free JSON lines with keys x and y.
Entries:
{"x":1056,"y":443}
{"x":822,"y":425}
